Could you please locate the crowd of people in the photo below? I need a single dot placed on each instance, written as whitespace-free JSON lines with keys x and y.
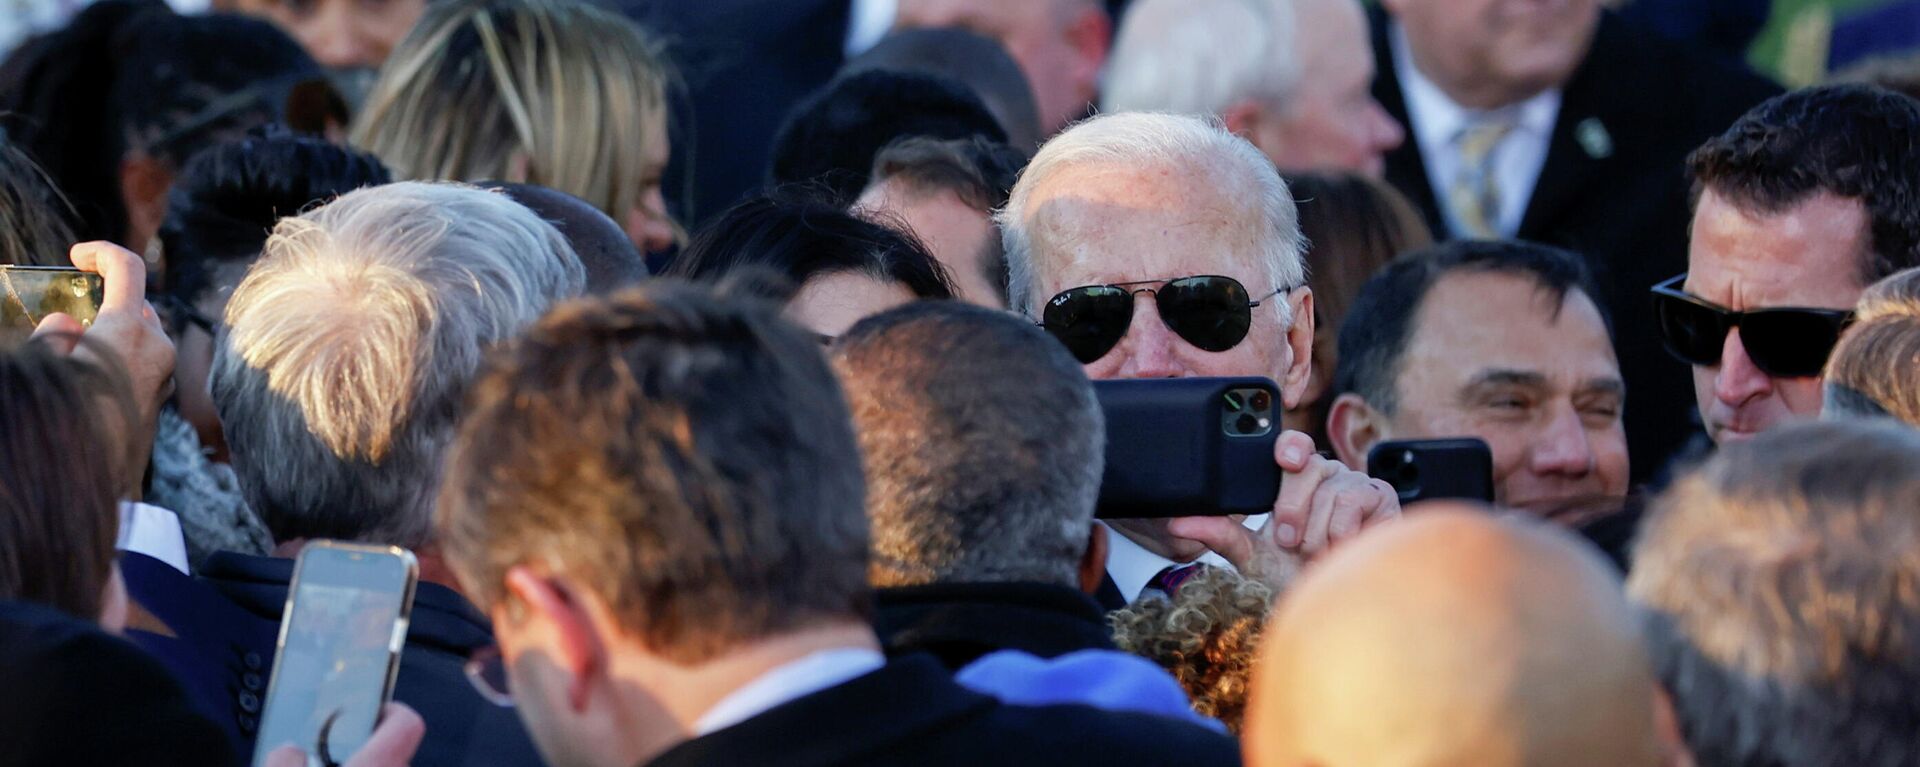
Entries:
{"x":728,"y":369}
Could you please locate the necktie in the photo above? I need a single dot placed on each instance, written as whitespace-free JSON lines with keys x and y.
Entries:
{"x":1475,"y":193}
{"x":1169,"y":579}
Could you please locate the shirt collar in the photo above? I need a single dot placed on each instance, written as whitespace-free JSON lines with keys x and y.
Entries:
{"x":1434,"y":116}
{"x":1131,"y":566}
{"x":792,"y":681}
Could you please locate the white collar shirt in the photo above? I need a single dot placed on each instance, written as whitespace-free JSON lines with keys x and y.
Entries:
{"x":787,"y":683}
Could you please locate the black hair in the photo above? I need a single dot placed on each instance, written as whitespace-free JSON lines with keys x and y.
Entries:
{"x":1374,"y":337}
{"x":1854,"y":141}
{"x":611,"y":260}
{"x":132,"y":75}
{"x":980,"y":172}
{"x":34,"y":225}
{"x":796,"y":238}
{"x":977,"y":61}
{"x":831,"y":138}
{"x":228,"y":198}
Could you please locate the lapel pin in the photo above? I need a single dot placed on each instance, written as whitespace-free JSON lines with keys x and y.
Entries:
{"x":1594,"y":138}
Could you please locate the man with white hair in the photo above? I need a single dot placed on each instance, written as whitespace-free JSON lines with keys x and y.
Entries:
{"x":346,"y":354}
{"x":1291,"y":76}
{"x":1195,"y":225}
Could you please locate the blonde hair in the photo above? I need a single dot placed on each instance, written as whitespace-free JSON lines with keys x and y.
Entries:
{"x":557,"y":93}
{"x":1206,"y":637}
{"x":1872,"y":369}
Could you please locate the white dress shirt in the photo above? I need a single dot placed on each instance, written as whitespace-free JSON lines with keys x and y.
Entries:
{"x":153,"y":531}
{"x":1131,"y":566}
{"x":785,"y":684}
{"x":1436,"y":120}
{"x":868,"y":22}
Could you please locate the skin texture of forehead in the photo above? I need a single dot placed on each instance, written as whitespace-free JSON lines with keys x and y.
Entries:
{"x":1091,"y":218}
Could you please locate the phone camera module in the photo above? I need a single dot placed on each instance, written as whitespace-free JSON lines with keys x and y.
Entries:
{"x":1248,"y":413}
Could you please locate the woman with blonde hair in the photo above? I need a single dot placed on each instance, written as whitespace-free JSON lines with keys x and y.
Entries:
{"x":556,"y":93}
{"x":1873,"y":369}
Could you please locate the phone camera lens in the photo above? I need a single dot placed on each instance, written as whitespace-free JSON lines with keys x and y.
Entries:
{"x":1247,"y":424}
{"x":1235,"y":403}
{"x":1262,"y":401}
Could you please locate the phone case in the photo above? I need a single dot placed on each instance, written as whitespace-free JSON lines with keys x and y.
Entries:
{"x":1175,"y":447}
{"x":1429,"y":469}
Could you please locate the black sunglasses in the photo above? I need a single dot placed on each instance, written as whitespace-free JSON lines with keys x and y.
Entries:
{"x":1785,"y":342}
{"x":1211,"y":312}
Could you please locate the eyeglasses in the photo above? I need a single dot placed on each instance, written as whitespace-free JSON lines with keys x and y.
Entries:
{"x":1211,"y":312}
{"x":1784,"y":342}
{"x":487,"y":672}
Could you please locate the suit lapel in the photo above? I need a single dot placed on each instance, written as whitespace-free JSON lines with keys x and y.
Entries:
{"x":1581,"y":145}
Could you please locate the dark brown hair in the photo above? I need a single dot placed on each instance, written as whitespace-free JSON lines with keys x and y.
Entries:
{"x":687,"y":456}
{"x":1354,"y":227}
{"x":64,"y":467}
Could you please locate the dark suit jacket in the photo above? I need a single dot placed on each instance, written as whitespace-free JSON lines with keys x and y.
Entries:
{"x":912,"y":713}
{"x":72,"y":694}
{"x":462,"y":727}
{"x":959,"y":622}
{"x":745,"y":63}
{"x":1626,"y":208}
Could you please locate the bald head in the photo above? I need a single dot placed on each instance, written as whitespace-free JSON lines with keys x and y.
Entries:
{"x":1451,"y":638}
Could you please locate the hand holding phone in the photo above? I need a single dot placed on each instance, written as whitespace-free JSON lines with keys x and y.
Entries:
{"x":124,"y":324}
{"x":29,"y":294}
{"x":393,"y":744}
{"x":1431,"y":469}
{"x":339,"y":649}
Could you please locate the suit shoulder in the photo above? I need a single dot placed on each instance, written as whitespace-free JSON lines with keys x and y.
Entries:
{"x":1099,"y":736}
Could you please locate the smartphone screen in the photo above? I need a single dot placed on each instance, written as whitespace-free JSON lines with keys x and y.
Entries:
{"x":29,"y":293}
{"x":340,"y":641}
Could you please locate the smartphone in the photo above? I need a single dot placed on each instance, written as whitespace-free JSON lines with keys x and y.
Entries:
{"x":339,"y":649}
{"x":1185,"y":447}
{"x":29,"y":293}
{"x":1428,"y":469}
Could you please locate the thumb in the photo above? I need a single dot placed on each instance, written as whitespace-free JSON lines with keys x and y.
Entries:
{"x":1225,"y":535}
{"x":60,"y":332}
{"x":286,"y":756}
{"x":394,"y":741}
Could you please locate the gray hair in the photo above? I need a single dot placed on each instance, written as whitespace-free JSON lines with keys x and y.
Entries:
{"x":1782,"y":588}
{"x":983,"y":445}
{"x":1202,"y":56}
{"x":1183,"y":143}
{"x":348,"y":347}
{"x":1875,"y":369}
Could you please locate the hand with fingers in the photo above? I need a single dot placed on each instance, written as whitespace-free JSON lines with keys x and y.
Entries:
{"x":1322,"y":504}
{"x":392,"y":744}
{"x":126,"y":324}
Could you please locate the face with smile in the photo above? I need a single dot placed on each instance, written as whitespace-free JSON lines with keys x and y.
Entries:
{"x":1806,"y":255}
{"x":1492,"y":355}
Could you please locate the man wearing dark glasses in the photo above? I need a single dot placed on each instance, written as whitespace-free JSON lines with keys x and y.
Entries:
{"x":1157,"y":246}
{"x":1805,"y":201}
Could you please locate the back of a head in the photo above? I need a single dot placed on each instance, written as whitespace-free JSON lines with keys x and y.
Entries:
{"x":1875,"y":369}
{"x":1202,"y":56}
{"x":1851,"y":141}
{"x":831,"y":138}
{"x":686,"y":456}
{"x":1206,"y":635}
{"x":131,"y":77}
{"x":348,"y":347}
{"x":973,"y":60}
{"x":227,"y":200}
{"x":1455,"y":637}
{"x":559,"y":93}
{"x":1138,"y":142}
{"x":611,"y":260}
{"x":34,"y":230}
{"x":64,"y":466}
{"x":1381,"y":321}
{"x":794,"y":238}
{"x":1779,"y":581}
{"x":983,"y":444}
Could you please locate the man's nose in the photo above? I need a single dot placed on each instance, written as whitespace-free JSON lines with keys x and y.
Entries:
{"x":1738,"y":379}
{"x":1149,"y":349}
{"x":1563,"y":447}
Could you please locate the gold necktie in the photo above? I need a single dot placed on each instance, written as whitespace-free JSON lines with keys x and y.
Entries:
{"x":1475,"y":194}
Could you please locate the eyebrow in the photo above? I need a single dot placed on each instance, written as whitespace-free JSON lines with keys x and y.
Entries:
{"x":1506,"y":377}
{"x":1604,"y":385}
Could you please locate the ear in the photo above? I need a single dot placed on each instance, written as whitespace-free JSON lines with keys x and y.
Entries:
{"x":1354,"y":427}
{"x":1300,"y":342}
{"x":144,"y":182}
{"x":1093,"y":563}
{"x":564,"y":628}
{"x":1242,"y":118}
{"x":1090,"y":33}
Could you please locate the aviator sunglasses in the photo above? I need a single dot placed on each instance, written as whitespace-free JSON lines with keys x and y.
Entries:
{"x":1211,"y":312}
{"x":1784,"y":342}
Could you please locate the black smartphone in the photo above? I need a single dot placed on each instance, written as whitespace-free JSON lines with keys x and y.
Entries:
{"x":339,"y":649}
{"x":1427,"y":469}
{"x":29,"y":293}
{"x":1185,"y":447}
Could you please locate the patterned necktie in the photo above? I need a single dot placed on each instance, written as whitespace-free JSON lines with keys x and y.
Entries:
{"x":1475,"y":193}
{"x":1169,"y":579}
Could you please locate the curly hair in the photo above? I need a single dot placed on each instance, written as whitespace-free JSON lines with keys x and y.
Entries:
{"x":1206,"y":636}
